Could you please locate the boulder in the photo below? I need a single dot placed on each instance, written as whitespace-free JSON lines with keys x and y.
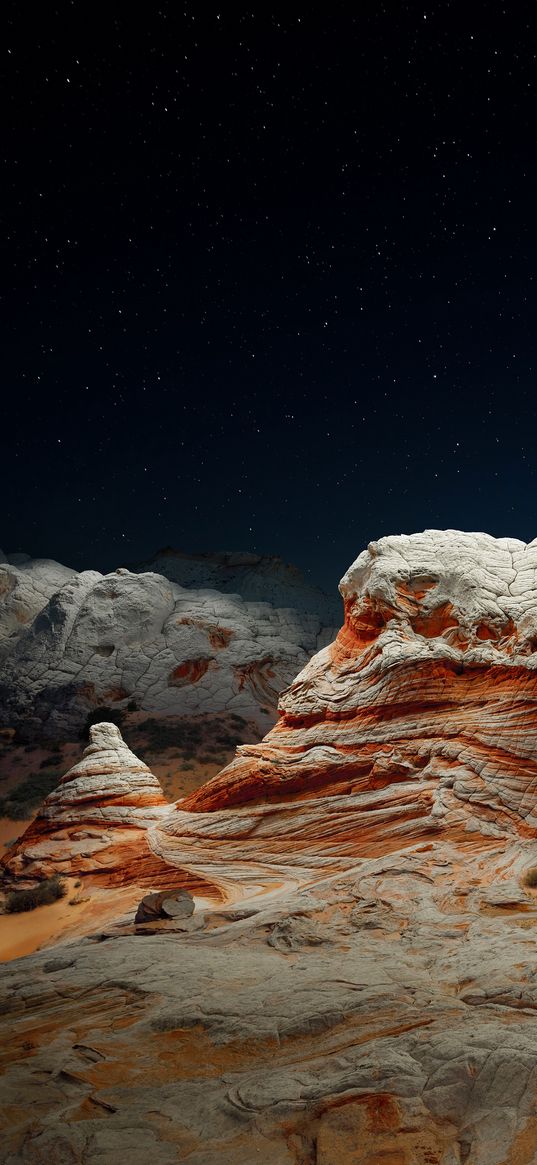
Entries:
{"x":165,"y":904}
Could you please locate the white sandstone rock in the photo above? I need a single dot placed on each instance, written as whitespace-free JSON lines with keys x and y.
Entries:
{"x":24,"y":590}
{"x":103,"y":641}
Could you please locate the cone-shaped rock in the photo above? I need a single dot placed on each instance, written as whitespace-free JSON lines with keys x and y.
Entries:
{"x":97,"y":817}
{"x":110,"y":783}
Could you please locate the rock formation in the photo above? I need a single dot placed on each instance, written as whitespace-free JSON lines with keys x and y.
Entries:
{"x":25,"y":588}
{"x":97,"y":819}
{"x":257,"y":578}
{"x":422,"y":714}
{"x":76,"y":642}
{"x":166,"y":904}
{"x":365,"y":990}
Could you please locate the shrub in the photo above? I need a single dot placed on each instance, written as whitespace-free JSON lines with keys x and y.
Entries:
{"x":51,"y":761}
{"x":159,"y":736}
{"x":530,"y":877}
{"x":45,"y":892}
{"x":98,"y":715}
{"x":22,"y":801}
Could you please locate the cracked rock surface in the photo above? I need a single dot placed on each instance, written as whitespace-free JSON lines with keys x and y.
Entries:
{"x":72,"y":642}
{"x":296,"y":1034}
{"x":358,"y":985}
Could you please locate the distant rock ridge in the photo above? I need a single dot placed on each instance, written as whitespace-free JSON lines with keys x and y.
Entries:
{"x":26,"y":586}
{"x":71,"y":643}
{"x":256,"y":577}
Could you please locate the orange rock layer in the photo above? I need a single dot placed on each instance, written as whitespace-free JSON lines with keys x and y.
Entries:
{"x":420,"y":721}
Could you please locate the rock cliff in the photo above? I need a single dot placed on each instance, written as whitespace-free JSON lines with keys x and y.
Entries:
{"x":418,"y":723}
{"x":25,"y":588}
{"x":364,"y":990}
{"x":70,"y":643}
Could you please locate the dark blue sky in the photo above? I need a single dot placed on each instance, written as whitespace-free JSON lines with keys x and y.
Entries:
{"x":269,"y":279}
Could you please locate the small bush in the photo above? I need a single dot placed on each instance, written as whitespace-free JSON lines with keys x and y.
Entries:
{"x":51,"y":761}
{"x":98,"y":715}
{"x":187,"y":768}
{"x":22,"y":801}
{"x":227,"y":739}
{"x":48,"y":891}
{"x":530,"y":877}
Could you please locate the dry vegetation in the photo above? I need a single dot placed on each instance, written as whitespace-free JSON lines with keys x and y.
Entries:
{"x":182,"y":753}
{"x":19,"y":901}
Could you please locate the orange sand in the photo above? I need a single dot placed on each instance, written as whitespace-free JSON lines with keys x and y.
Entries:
{"x":9,"y":830}
{"x":21,"y":934}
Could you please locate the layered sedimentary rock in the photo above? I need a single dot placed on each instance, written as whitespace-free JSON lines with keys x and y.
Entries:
{"x":366,"y":991}
{"x":139,"y":641}
{"x":418,"y":720}
{"x":422,"y":715}
{"x":97,"y":819}
{"x":386,"y":1014}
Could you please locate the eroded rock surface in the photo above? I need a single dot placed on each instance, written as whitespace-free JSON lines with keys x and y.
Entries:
{"x":407,"y":1035}
{"x":422,"y":714}
{"x":25,"y":588}
{"x":70,"y":643}
{"x":258,"y":578}
{"x":366,"y":990}
{"x":97,"y":818}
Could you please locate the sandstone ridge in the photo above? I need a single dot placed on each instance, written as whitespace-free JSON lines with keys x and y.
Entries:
{"x":426,"y":700}
{"x":365,"y":991}
{"x":71,"y":643}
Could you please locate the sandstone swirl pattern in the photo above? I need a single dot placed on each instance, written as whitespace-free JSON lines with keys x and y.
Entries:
{"x":362,"y":988}
{"x":421,"y":718}
{"x":97,"y":819}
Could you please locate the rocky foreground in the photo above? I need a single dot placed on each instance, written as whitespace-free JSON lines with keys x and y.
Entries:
{"x":358,"y":980}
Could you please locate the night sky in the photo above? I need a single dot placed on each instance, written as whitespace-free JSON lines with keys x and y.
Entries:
{"x":268,"y":278}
